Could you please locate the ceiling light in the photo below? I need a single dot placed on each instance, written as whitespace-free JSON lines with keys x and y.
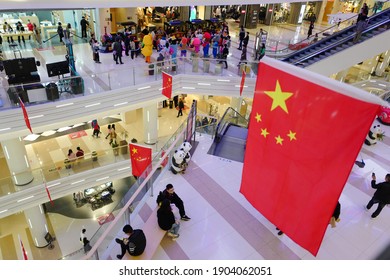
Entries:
{"x":31,"y":137}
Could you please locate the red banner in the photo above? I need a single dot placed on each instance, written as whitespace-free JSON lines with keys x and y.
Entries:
{"x":166,"y":85}
{"x":48,"y":194}
{"x":140,"y":157}
{"x":25,"y":115}
{"x":304,"y":136}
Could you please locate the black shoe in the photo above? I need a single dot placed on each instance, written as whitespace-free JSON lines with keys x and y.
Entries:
{"x":121,"y":62}
{"x":185,"y":218}
{"x":117,"y":63}
{"x":280,"y":232}
{"x":119,"y":257}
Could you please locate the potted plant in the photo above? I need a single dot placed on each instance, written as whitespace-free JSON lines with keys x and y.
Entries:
{"x":94,"y":156}
{"x":115,"y":146}
{"x":151,"y":69}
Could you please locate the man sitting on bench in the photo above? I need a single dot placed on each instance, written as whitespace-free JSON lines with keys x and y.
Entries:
{"x":135,"y":243}
{"x":169,"y":193}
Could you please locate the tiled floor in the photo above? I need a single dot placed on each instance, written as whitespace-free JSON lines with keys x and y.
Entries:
{"x":223,"y":223}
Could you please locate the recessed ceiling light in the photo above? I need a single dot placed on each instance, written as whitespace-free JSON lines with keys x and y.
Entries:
{"x":48,"y":133}
{"x":31,"y":137}
{"x":64,"y":128}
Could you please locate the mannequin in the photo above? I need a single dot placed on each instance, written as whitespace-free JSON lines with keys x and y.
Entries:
{"x":140,"y":17}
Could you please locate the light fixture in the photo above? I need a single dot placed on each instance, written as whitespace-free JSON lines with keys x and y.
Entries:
{"x":31,"y":137}
{"x":78,"y":124}
{"x":64,"y":128}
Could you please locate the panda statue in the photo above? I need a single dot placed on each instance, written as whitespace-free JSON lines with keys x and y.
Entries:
{"x":373,"y":135}
{"x":178,"y":162}
{"x":186,"y":147}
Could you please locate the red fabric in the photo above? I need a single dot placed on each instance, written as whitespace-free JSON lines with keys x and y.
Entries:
{"x":25,"y":115}
{"x":23,"y":251}
{"x":296,"y":182}
{"x":48,"y":194}
{"x":140,"y":157}
{"x":166,"y":85}
{"x":242,"y":81}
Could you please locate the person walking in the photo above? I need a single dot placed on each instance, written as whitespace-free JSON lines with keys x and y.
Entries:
{"x":310,"y":31}
{"x":134,"y":242}
{"x":117,"y":48}
{"x":84,"y":23}
{"x":225,"y":53}
{"x":84,"y":240}
{"x":60,"y":31}
{"x":181,"y":107}
{"x":245,"y":42}
{"x":241,"y":36}
{"x":169,"y":193}
{"x":167,"y":221}
{"x":381,"y":195}
{"x":95,"y":48}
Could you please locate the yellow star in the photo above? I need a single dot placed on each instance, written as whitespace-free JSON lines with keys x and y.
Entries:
{"x":279,"y":140}
{"x":134,"y":150}
{"x":258,"y":117}
{"x":292,"y":135}
{"x":264,"y":132}
{"x":279,"y":97}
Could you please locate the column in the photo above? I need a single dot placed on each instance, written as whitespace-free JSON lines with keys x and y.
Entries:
{"x":129,"y":117}
{"x":36,"y":220}
{"x":150,"y":117}
{"x":17,"y":161}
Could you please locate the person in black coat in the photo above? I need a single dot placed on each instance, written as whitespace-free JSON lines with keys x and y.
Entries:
{"x":381,"y":195}
{"x":134,"y":243}
{"x":166,"y":219}
{"x":181,"y":107}
{"x":117,"y":49}
{"x":84,"y":23}
{"x":169,"y":193}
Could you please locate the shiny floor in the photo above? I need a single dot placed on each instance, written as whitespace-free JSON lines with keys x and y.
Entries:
{"x":227,"y":228}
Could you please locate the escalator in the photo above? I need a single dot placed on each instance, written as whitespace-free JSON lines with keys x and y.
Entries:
{"x":230,"y":136}
{"x":336,"y":50}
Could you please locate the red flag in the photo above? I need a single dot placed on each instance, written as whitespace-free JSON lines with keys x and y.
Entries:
{"x":166,"y":85}
{"x":242,"y":81}
{"x":26,"y":119}
{"x":304,"y":135}
{"x":48,"y":194}
{"x":140,"y":157}
{"x":24,"y":253}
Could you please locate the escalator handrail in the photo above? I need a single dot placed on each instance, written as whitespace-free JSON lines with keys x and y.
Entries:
{"x":222,"y":121}
{"x":331,"y":36}
{"x":341,"y":41}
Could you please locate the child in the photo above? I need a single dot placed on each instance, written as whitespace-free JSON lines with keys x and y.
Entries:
{"x":183,"y":47}
{"x":215,"y":49}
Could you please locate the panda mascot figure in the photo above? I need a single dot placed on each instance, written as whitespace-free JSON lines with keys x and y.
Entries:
{"x":178,"y":163}
{"x":376,"y":133}
{"x":186,"y":147}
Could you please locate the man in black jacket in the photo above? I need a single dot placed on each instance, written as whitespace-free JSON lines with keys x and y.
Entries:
{"x":169,"y":193}
{"x":135,"y":243}
{"x":84,"y":23}
{"x":381,"y":195}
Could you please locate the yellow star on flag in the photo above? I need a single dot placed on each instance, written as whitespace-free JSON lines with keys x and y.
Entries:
{"x":292,"y":135}
{"x":264,"y":132}
{"x":279,"y":97}
{"x":135,"y":151}
{"x":258,"y":117}
{"x":279,"y":140}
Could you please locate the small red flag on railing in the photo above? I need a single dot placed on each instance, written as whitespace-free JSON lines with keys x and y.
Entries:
{"x":242,"y":81}
{"x":25,"y":115}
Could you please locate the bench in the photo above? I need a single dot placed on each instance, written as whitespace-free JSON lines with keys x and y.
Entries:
{"x":154,"y":234}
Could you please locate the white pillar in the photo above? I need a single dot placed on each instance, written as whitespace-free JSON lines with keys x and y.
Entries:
{"x":36,"y":221}
{"x":17,"y":161}
{"x":150,"y":117}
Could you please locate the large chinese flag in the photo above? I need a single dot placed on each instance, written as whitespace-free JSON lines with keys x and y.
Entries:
{"x":305,"y":132}
{"x":140,"y":157}
{"x":166,"y":85}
